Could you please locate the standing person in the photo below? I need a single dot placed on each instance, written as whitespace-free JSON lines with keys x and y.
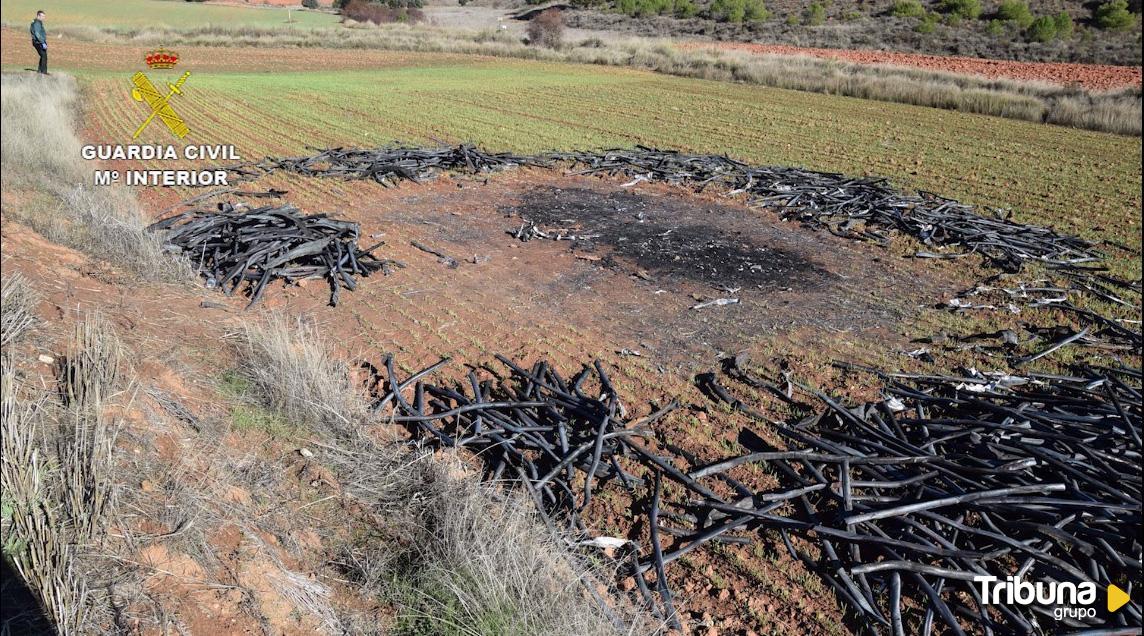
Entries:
{"x":40,"y":41}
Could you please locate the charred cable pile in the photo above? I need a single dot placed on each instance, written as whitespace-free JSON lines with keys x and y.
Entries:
{"x":530,"y":424}
{"x":909,"y":500}
{"x":899,"y":504}
{"x":388,"y":166}
{"x":853,"y":207}
{"x":232,"y":248}
{"x":1096,"y":331}
{"x":560,"y":438}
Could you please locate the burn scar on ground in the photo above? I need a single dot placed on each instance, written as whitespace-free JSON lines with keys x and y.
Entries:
{"x":664,"y":237}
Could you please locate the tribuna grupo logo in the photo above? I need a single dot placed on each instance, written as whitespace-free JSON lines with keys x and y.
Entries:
{"x":1068,"y":600}
{"x":161,"y":58}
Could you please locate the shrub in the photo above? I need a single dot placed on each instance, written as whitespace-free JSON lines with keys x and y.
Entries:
{"x":995,"y":28}
{"x":757,"y":11}
{"x":815,"y":14}
{"x":1114,"y":15}
{"x":1064,"y":25}
{"x":928,"y":23}
{"x":686,"y":9}
{"x":644,"y":8}
{"x":310,"y":4}
{"x":1015,"y":11}
{"x":968,"y":9}
{"x":793,"y":19}
{"x":736,"y":11}
{"x":1043,"y":29}
{"x":378,"y":13}
{"x":546,"y":29}
{"x":908,"y":9}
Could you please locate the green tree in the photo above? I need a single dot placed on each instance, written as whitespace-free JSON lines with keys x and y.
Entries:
{"x":968,"y":9}
{"x":686,"y":9}
{"x":1114,"y":15}
{"x":908,"y":9}
{"x":1015,"y":11}
{"x":728,"y":10}
{"x":1043,"y":29}
{"x":1064,"y":25}
{"x":756,"y":11}
{"x":815,"y":14}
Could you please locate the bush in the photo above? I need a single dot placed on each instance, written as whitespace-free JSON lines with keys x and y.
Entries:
{"x":310,"y":4}
{"x":1043,"y":29}
{"x":1064,"y":25}
{"x":686,"y":9}
{"x":736,"y":11}
{"x":996,"y":28}
{"x":757,"y":11}
{"x":1015,"y":11}
{"x":968,"y":9}
{"x":546,"y":29}
{"x":908,"y":9}
{"x":1114,"y":15}
{"x":645,"y":8}
{"x":928,"y":23}
{"x":378,"y":13}
{"x":815,"y":14}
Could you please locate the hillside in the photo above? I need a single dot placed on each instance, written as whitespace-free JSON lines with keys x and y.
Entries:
{"x":934,"y":27}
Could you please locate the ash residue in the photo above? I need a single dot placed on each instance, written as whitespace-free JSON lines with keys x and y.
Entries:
{"x":667,"y":237}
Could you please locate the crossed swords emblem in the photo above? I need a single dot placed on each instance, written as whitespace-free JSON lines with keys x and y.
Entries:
{"x":145,"y":91}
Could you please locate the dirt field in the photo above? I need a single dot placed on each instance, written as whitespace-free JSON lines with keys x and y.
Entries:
{"x":1091,"y":76}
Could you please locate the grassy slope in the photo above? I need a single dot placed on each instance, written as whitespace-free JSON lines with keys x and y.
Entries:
{"x":1076,"y":180}
{"x":153,"y":13}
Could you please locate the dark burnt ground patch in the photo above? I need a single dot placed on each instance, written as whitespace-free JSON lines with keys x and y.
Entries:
{"x":667,"y":238}
{"x":661,"y":251}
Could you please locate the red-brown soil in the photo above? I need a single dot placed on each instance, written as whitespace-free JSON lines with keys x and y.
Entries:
{"x":1090,"y":76}
{"x":528,"y":300}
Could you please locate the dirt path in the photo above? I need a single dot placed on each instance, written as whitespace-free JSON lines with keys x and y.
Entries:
{"x":1090,"y":76}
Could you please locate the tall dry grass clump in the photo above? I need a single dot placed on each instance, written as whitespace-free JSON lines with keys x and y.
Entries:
{"x":41,"y":153}
{"x":1115,"y":111}
{"x":290,"y":365}
{"x":56,"y":477}
{"x":483,"y":564}
{"x":454,"y":556}
{"x":88,"y":375}
{"x":17,"y":308}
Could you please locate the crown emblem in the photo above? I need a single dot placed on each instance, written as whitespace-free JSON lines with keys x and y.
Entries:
{"x":161,"y":58}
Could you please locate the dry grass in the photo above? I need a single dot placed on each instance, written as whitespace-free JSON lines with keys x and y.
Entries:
{"x":17,"y":308}
{"x":89,"y":374}
{"x":41,"y":153}
{"x":56,"y":476}
{"x":1114,"y":111}
{"x":483,"y":564}
{"x":296,"y":377}
{"x":35,"y":538}
{"x":453,"y":555}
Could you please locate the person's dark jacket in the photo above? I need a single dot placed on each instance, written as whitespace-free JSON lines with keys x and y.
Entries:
{"x":39,"y":36}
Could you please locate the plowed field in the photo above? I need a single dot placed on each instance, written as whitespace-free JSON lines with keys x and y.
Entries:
{"x":1091,"y":76}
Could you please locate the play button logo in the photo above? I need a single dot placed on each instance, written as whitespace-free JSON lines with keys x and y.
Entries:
{"x":1117,"y":598}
